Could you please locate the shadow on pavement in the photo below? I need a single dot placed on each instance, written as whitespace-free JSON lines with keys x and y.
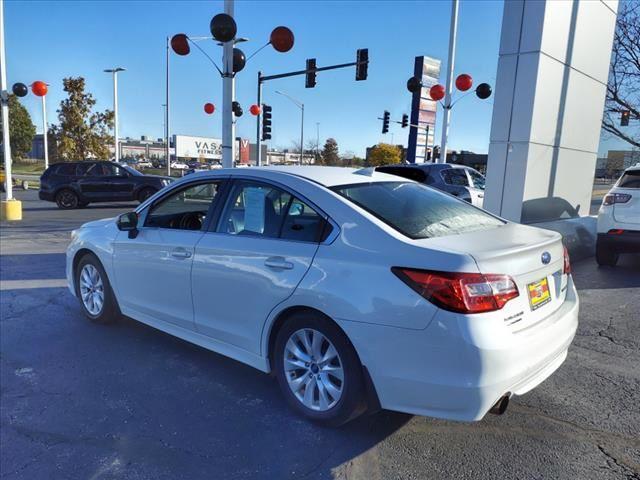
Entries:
{"x":626,"y":274}
{"x":36,"y":266}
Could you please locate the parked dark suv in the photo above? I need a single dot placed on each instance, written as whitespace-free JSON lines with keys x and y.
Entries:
{"x":76,"y":184}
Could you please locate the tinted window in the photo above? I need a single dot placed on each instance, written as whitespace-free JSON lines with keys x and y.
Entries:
{"x":258,"y":209}
{"x":112,"y":170}
{"x":185,"y":209}
{"x":66,"y":169}
{"x":477,"y":179}
{"x":630,"y":179}
{"x":418,"y":211}
{"x":455,"y":176}
{"x":95,"y":170}
{"x":83,"y":167}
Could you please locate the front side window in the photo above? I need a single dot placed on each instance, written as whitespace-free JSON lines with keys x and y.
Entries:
{"x":185,"y":209}
{"x":455,"y":176}
{"x":477,"y":179}
{"x":66,"y":169}
{"x":418,"y":211}
{"x":257,"y":209}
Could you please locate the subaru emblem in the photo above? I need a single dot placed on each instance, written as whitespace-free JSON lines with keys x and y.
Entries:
{"x":546,"y":257}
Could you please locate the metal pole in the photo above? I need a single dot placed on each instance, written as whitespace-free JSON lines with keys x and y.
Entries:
{"x":258,"y":117}
{"x":115,"y":115}
{"x":317,"y":142}
{"x":44,"y":131}
{"x":167,"y":149}
{"x":449,"y":85}
{"x":6,"y":142}
{"x":302,"y":134}
{"x":228,"y":95}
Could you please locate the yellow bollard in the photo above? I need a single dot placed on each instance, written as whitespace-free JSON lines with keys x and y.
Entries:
{"x":11,"y":210}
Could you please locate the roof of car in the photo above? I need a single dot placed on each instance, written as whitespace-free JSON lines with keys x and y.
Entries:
{"x":634,"y":167}
{"x":327,"y":176}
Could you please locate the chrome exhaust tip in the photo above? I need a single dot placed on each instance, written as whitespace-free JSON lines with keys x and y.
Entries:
{"x":500,"y":406}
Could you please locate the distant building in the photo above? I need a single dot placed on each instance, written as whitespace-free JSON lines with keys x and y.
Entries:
{"x":470,"y":159}
{"x":285,"y":157}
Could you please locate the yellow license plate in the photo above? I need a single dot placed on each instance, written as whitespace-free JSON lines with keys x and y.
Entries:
{"x":539,"y":293}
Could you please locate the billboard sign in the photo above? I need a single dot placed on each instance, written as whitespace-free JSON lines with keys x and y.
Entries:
{"x":423,"y":110}
{"x":198,"y":147}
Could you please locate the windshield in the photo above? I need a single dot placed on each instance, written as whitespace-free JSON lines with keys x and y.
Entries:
{"x":132,"y":171}
{"x":418,"y":211}
{"x":477,"y":178}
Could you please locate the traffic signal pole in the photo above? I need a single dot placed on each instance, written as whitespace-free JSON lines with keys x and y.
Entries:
{"x":228,"y":96}
{"x":258,"y":122}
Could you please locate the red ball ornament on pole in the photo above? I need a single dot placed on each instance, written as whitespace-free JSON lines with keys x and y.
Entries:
{"x":281,"y":39}
{"x":464,"y":82}
{"x":39,"y":88}
{"x":209,"y":108}
{"x":255,"y":110}
{"x":437,"y":92}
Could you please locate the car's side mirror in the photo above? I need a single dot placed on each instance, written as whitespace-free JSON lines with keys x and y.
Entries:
{"x":128,"y":222}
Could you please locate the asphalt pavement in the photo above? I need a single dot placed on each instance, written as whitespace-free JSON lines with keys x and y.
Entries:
{"x":86,"y":401}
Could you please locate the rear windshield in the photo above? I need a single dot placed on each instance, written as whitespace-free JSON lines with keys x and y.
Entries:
{"x":418,"y":211}
{"x":630,"y":179}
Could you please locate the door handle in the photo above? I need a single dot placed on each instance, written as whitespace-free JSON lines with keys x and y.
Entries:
{"x":278,"y":262}
{"x":180,"y":253}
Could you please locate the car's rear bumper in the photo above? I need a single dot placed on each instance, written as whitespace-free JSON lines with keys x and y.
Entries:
{"x":450,"y":371}
{"x":626,"y":242}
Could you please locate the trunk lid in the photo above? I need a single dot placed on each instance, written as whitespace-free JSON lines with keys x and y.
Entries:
{"x":628,"y":212}
{"x":519,"y":251}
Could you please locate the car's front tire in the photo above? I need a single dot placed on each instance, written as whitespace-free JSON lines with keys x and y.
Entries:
{"x":318,"y":370}
{"x":67,"y":199}
{"x":605,"y":256}
{"x":94,"y":291}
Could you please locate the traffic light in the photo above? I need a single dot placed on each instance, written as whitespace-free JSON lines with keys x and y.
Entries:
{"x":310,"y":81}
{"x":236,"y":109}
{"x":266,"y":122}
{"x":436,"y":153}
{"x":385,"y":122}
{"x":624,"y":119}
{"x":362,"y":64}
{"x":405,"y":120}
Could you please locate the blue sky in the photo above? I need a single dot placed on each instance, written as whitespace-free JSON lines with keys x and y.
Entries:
{"x":50,"y":40}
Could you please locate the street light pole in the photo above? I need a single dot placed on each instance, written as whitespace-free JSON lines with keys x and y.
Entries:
{"x":228,"y":96}
{"x":116,"y":137}
{"x":167,"y":149}
{"x":44,"y":131}
{"x":300,"y":105}
{"x":449,"y":86}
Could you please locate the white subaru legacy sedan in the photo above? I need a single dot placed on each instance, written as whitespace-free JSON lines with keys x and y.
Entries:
{"x":356,"y":289}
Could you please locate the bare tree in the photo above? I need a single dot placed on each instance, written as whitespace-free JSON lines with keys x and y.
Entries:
{"x":623,"y":90}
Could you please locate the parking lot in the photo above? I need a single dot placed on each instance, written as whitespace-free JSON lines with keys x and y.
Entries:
{"x":81,"y":400}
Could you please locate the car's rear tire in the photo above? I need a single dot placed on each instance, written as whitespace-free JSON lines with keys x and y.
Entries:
{"x":605,"y":256}
{"x":94,"y":291}
{"x":323,"y":378}
{"x":146,"y":193}
{"x":67,"y":199}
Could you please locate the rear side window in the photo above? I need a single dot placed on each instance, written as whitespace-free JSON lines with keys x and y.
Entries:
{"x":455,"y":176}
{"x":65,"y":169}
{"x":630,"y":179}
{"x":418,"y":211}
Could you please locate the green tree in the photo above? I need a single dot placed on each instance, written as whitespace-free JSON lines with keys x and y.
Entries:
{"x":330,"y":154}
{"x":383,"y":154}
{"x":81,"y":133}
{"x":21,"y":129}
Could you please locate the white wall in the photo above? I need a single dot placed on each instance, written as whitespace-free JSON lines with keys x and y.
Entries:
{"x":550,"y":90}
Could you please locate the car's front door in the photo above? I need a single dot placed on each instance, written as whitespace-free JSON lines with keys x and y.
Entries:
{"x":153,"y":270}
{"x":264,"y":244}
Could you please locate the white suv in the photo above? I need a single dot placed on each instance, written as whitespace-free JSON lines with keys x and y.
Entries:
{"x":619,"y":219}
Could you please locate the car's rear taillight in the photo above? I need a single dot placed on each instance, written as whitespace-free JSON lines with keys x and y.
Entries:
{"x":611,"y":198}
{"x":567,"y":264}
{"x":460,"y":292}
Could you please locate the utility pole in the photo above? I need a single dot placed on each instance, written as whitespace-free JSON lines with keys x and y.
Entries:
{"x":228,"y":96}
{"x":6,"y":142}
{"x":449,"y":86}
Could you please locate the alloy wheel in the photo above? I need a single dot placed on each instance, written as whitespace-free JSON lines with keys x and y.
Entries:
{"x":313,"y":369}
{"x":91,"y":289}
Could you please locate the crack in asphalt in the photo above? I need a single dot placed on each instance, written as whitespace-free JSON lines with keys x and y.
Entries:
{"x":631,"y":472}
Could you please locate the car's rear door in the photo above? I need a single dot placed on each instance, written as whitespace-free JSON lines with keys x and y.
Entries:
{"x":264,"y":244}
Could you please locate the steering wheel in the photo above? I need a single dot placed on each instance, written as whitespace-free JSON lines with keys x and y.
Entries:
{"x":191,"y":221}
